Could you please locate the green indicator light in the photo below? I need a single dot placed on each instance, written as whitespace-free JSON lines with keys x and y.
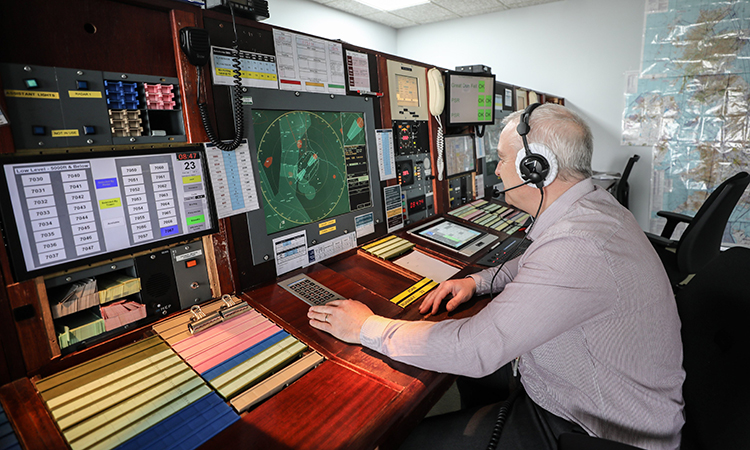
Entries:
{"x":481,"y":86}
{"x":196,"y":220}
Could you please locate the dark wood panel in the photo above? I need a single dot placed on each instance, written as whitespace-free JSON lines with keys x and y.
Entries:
{"x":31,"y":332}
{"x":88,"y":34}
{"x":33,"y":424}
{"x":324,"y":409}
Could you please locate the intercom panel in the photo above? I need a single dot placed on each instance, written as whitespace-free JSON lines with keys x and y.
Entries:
{"x":54,"y":107}
{"x":191,"y":274}
{"x":158,"y":283}
{"x":460,"y":190}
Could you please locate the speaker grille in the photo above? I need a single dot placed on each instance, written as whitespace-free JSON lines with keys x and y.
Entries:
{"x":157,"y":285}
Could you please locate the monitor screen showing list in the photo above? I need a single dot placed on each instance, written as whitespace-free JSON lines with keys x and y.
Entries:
{"x":74,"y":210}
{"x":470,"y":99}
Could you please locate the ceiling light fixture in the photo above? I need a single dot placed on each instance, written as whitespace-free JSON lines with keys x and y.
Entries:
{"x":392,"y":5}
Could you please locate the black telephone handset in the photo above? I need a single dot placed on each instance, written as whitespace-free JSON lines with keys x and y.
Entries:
{"x":196,"y":45}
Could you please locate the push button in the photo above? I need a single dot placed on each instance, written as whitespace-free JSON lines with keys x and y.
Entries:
{"x":38,"y":130}
{"x":82,"y":85}
{"x":88,"y":129}
{"x":31,"y":83}
{"x":191,"y":263}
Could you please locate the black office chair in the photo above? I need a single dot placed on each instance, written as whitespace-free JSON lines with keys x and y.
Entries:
{"x":702,"y":238}
{"x":621,"y":189}
{"x":715,"y":310}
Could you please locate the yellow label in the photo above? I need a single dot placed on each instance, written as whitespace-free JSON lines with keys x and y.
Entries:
{"x":193,"y":179}
{"x":110,"y":203}
{"x":64,"y":133}
{"x":327,"y":223}
{"x":393,"y":212}
{"x":85,"y":94}
{"x":327,"y":230}
{"x":315,"y":84}
{"x":32,"y":94}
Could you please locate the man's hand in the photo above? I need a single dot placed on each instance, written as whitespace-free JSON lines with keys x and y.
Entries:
{"x":341,"y":318}
{"x":462,"y":290}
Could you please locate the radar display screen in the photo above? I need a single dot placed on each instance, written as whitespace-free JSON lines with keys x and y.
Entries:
{"x":310,"y":165}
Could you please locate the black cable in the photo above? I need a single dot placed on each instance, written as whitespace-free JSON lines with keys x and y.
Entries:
{"x":238,"y":114}
{"x":519,"y":242}
{"x":502,"y":415}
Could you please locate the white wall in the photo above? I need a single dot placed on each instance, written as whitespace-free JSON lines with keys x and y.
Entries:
{"x":577,"y":49}
{"x":313,"y":18}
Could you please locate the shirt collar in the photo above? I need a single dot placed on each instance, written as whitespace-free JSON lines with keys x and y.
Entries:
{"x":560,"y":206}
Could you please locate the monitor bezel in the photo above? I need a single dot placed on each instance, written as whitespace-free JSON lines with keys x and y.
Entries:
{"x":12,"y":238}
{"x":449,"y":74}
{"x":419,"y":230}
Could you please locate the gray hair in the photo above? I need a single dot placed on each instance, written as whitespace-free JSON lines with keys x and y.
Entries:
{"x":565,"y":133}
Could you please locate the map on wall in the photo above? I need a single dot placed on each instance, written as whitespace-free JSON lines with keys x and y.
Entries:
{"x":692,"y":104}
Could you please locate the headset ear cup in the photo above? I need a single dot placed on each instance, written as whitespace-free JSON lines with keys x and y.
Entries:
{"x":538,"y":167}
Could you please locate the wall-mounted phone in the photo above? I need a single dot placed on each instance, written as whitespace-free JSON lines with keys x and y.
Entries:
{"x":196,"y":44}
{"x":436,"y":103}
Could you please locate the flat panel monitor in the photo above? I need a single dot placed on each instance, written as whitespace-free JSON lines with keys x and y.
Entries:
{"x":460,"y":156}
{"x":455,"y":236}
{"x":470,"y":98}
{"x":66,"y":211}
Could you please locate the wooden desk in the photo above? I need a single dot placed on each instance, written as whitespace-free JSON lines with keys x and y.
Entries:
{"x":357,"y":399}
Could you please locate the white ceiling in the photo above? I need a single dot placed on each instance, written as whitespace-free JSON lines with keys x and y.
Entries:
{"x":435,"y":11}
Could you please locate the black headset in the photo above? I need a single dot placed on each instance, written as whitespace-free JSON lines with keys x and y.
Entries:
{"x":534,"y":167}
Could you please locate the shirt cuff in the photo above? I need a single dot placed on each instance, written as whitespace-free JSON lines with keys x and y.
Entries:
{"x":481,"y":289}
{"x":371,"y":334}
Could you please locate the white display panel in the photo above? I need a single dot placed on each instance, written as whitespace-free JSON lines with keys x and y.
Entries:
{"x":75,"y":209}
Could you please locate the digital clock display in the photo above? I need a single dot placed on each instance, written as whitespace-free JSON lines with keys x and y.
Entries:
{"x":416,"y":204}
{"x":188,"y":155}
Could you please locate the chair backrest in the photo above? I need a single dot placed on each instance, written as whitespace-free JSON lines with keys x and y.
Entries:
{"x":701,"y":240}
{"x":715,"y":312}
{"x":622,"y":190}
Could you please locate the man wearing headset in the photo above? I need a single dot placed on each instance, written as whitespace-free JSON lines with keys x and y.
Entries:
{"x":586,"y":313}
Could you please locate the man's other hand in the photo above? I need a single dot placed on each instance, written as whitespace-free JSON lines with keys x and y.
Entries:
{"x":461,"y":290}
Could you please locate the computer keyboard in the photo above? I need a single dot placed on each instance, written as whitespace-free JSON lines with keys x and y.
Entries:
{"x":507,"y":250}
{"x":309,"y":290}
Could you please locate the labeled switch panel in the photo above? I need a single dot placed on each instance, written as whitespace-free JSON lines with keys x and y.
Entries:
{"x":54,"y":107}
{"x":191,"y":274}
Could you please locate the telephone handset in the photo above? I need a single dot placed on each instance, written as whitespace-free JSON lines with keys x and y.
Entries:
{"x":196,"y":45}
{"x":436,"y":103}
{"x":437,"y":91}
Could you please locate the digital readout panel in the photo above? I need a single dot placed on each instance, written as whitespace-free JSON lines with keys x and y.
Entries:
{"x":70,"y":210}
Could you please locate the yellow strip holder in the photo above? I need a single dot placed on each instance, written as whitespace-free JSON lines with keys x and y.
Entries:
{"x":408,"y":297}
{"x":389,"y":247}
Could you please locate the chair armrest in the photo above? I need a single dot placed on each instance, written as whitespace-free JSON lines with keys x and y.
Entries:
{"x":673,"y":219}
{"x":660,"y":241}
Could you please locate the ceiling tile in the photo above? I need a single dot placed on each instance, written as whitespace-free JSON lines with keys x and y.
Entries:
{"x":426,"y":13}
{"x":390,"y":20}
{"x":468,"y":8}
{"x":352,"y":7}
{"x":523,"y":3}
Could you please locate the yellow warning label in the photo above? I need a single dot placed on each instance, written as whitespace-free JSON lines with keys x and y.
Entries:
{"x":327,"y":230}
{"x":84,"y":94}
{"x":110,"y":203}
{"x":32,"y":94}
{"x":64,"y":133}
{"x":315,"y":84}
{"x":327,"y":223}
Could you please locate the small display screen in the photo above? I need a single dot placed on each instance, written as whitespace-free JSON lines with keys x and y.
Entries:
{"x":459,"y":154}
{"x":450,"y":234}
{"x":407,"y":94}
{"x":71,"y":210}
{"x":470,"y":99}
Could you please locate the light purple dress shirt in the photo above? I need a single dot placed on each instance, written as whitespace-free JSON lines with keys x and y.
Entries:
{"x":589,"y":310}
